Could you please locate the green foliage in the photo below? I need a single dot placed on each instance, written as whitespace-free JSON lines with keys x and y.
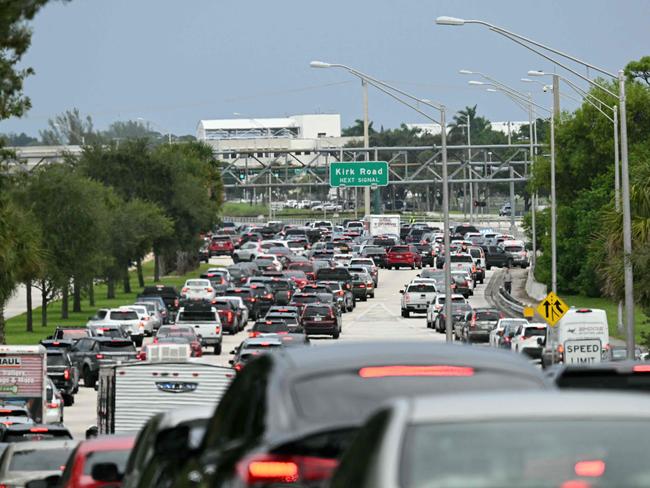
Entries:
{"x":357,"y":129}
{"x":639,"y":70}
{"x":69,"y":128}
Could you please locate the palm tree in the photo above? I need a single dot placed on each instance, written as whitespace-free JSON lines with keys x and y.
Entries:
{"x":458,"y":127}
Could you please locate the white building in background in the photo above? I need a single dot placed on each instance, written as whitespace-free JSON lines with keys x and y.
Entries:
{"x":504,"y":127}
{"x":266,"y":137}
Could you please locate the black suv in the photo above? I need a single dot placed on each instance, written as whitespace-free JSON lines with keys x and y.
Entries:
{"x":169,"y":294}
{"x":63,"y":374}
{"x":69,"y":333}
{"x":89,"y":353}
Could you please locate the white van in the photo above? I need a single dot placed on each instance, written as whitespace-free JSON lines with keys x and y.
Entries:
{"x":580,"y":337}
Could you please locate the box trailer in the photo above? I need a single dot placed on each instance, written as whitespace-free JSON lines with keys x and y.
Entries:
{"x":23,"y":375}
{"x":129,"y":394}
{"x":377,"y":225}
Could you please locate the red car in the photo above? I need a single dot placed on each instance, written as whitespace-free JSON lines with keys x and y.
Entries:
{"x":113,"y":450}
{"x":407,"y":256}
{"x":221,"y":245}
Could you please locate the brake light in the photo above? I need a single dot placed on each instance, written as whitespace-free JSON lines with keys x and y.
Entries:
{"x":39,"y":429}
{"x":252,"y":299}
{"x":362,"y":285}
{"x":56,"y":343}
{"x":185,"y":289}
{"x":52,"y":405}
{"x":641,"y":368}
{"x":217,"y":329}
{"x":66,"y":374}
{"x":253,"y":334}
{"x":285,"y":469}
{"x":176,"y":302}
{"x":472,"y":324}
{"x":268,"y":296}
{"x":99,"y":356}
{"x":229,"y":316}
{"x":397,"y":371}
{"x":590,"y":469}
{"x":209,"y":290}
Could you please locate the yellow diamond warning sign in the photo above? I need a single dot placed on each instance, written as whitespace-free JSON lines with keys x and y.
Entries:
{"x":552,"y":308}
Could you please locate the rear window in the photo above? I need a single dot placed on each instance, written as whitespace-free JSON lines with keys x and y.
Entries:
{"x":461,"y":258}
{"x":304,"y":298}
{"x":373,"y":250}
{"x":476,"y":253}
{"x":271,"y":328}
{"x":239,"y":293}
{"x":333,"y":274}
{"x":288,"y":318}
{"x":72,"y":333}
{"x":39,"y":459}
{"x":422,"y":289}
{"x":115,"y":346}
{"x":399,"y":249}
{"x":514,"y":248}
{"x":306,"y":267}
{"x":591,"y":452}
{"x":535,"y":332}
{"x":314,"y":311}
{"x":221,"y":238}
{"x":40,"y":434}
{"x":346,"y":394}
{"x":124,"y":315}
{"x":56,"y":359}
{"x":198,"y":283}
{"x":197,"y":316}
{"x":384,"y":242}
{"x":119,"y":458}
{"x":488,"y":315}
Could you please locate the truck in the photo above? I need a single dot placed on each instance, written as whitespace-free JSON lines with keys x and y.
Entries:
{"x":204,"y":318}
{"x":130,"y":394}
{"x":23,"y":379}
{"x":377,"y":225}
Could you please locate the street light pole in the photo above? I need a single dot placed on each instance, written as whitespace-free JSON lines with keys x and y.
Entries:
{"x":366,"y":142}
{"x":625,"y":179}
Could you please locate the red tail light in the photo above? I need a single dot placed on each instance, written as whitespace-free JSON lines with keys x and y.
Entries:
{"x":52,"y":405}
{"x":66,"y":374}
{"x":185,"y":290}
{"x":176,"y":302}
{"x":397,"y":371}
{"x":641,"y":368}
{"x":253,"y":334}
{"x":238,"y":367}
{"x":39,"y":429}
{"x":229,"y":316}
{"x":268,"y":296}
{"x":285,"y":469}
{"x":362,"y":285}
{"x":99,"y":356}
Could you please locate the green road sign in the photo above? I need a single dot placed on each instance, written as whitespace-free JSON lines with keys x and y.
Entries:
{"x":362,"y":173}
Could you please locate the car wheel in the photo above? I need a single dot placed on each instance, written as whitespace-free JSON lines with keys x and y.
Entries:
{"x":488,"y":268}
{"x":68,"y":400}
{"x":364,"y":298}
{"x":336,"y":334}
{"x":89,"y":378}
{"x":217,"y":350}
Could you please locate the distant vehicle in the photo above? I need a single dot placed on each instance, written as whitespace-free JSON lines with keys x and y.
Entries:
{"x":383,"y":224}
{"x":517,"y":250}
{"x":168,"y":293}
{"x":130,"y":394}
{"x":403,"y":256}
{"x":30,"y":461}
{"x":19,"y":433}
{"x":525,"y":340}
{"x":54,"y":404}
{"x":580,"y":337}
{"x":69,"y":333}
{"x":477,"y":324}
{"x":205,"y":321}
{"x":416,"y":298}
{"x":321,"y":319}
{"x":124,"y":317}
{"x":221,"y":245}
{"x":63,"y":373}
{"x":505,"y":210}
{"x":198,"y":289}
{"x":498,"y":257}
{"x":90,"y":353}
{"x":497,"y":333}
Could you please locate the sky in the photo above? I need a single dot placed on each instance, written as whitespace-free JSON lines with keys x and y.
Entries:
{"x":174,"y":62}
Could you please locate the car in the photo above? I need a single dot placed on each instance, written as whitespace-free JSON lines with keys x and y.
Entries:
{"x":505,"y":210}
{"x":517,"y":250}
{"x":359,"y":287}
{"x":254,"y":347}
{"x":124,"y":317}
{"x":219,"y":279}
{"x":462,"y":283}
{"x":458,"y":311}
{"x":363,"y":272}
{"x":368,"y":263}
{"x":269,"y":326}
{"x":479,"y":263}
{"x":505,"y":340}
{"x":206,"y":320}
{"x":321,"y":319}
{"x":79,"y":469}
{"x":247,"y":252}
{"x":221,"y":245}
{"x":163,"y":444}
{"x":54,"y":404}
{"x":238,"y":302}
{"x":62,"y":372}
{"x":90,"y":353}
{"x":416,"y":298}
{"x":437,"y":304}
{"x":169,"y":295}
{"x":68,"y":333}
{"x":30,"y":461}
{"x":306,"y":404}
{"x":376,"y":253}
{"x":155,"y":312}
{"x":115,"y":331}
{"x":529,"y":339}
{"x":14,"y":414}
{"x":268,"y":262}
{"x":343,"y":294}
{"x":403,"y":256}
{"x":145,"y":318}
{"x":442,"y":440}
{"x":497,"y":333}
{"x":498,"y":257}
{"x":198,"y":290}
{"x":157,"y":302}
{"x":478,"y":324}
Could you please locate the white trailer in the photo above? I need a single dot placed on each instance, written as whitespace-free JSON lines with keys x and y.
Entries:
{"x":129,"y":394}
{"x":23,"y":378}
{"x":377,"y":225}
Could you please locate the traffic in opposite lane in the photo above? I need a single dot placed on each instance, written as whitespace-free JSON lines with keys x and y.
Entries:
{"x":269,"y":371}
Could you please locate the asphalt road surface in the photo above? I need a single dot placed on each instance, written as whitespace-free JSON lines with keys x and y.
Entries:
{"x":377,"y":319}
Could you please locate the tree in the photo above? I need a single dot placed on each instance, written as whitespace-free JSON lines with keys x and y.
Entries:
{"x":19,"y":140}
{"x":357,"y":129}
{"x":640,"y":69}
{"x":69,"y":128}
{"x":481,"y":128}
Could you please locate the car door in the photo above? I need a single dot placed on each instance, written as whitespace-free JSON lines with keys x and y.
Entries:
{"x":517,"y":338}
{"x":79,"y":351}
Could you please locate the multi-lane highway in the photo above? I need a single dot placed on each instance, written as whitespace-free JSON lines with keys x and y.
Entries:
{"x":376,"y":319}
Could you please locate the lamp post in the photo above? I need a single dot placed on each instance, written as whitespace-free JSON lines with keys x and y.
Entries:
{"x":391,"y":92}
{"x":625,"y":176}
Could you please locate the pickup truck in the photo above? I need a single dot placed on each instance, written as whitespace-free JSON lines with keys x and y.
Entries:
{"x":90,"y":353}
{"x":417,"y":297}
{"x":497,"y":257}
{"x":205,"y":321}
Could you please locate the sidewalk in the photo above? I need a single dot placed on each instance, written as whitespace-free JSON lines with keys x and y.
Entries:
{"x":17,"y":304}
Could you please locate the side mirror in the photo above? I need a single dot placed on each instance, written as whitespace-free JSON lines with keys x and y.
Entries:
{"x":401,"y":291}
{"x":231,"y":362}
{"x":106,"y":472}
{"x":418,"y":275}
{"x":540,"y":341}
{"x":500,"y":333}
{"x":233,"y":351}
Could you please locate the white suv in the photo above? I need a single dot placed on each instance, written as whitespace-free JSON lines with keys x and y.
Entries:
{"x":124,"y":317}
{"x":525,"y":340}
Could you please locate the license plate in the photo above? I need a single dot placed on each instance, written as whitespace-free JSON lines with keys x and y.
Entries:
{"x":398,"y":256}
{"x":318,"y":319}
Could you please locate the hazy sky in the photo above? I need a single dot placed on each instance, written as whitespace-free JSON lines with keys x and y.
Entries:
{"x":174,"y":62}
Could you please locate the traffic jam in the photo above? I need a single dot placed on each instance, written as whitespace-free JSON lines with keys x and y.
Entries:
{"x":319,"y":354}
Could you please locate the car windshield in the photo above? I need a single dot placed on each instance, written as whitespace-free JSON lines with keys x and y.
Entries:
{"x":124,"y":315}
{"x":290,"y":319}
{"x":488,"y":315}
{"x":39,"y":459}
{"x":118,"y":457}
{"x":535,"y":332}
{"x":421,"y":288}
{"x":333,"y":274}
{"x":373,"y":250}
{"x":316,"y":311}
{"x":175,"y":331}
{"x":72,"y":333}
{"x":454,"y":455}
{"x":272,"y":327}
{"x":304,"y":298}
{"x":475,"y":253}
{"x":399,"y":249}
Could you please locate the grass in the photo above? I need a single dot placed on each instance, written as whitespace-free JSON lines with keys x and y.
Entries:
{"x":611,"y":308}
{"x":15,"y":327}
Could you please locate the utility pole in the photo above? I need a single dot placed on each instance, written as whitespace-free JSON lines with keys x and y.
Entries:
{"x":469,"y":167}
{"x":366,"y":143}
{"x":555,"y":116}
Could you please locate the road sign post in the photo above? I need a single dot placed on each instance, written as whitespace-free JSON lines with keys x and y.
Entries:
{"x":359,"y":174}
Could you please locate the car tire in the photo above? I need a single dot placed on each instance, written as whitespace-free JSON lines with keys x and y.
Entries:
{"x":364,"y":299}
{"x":406,"y":314}
{"x":137,"y":341}
{"x":68,"y":400}
{"x":217,"y":350}
{"x":488,"y":268}
{"x":89,"y":378}
{"x":336,"y":334}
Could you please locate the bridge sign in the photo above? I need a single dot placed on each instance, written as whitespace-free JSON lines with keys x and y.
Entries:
{"x":552,"y":308}
{"x":362,"y":173}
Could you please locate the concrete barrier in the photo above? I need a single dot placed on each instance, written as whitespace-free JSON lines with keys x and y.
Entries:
{"x":535,"y":290}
